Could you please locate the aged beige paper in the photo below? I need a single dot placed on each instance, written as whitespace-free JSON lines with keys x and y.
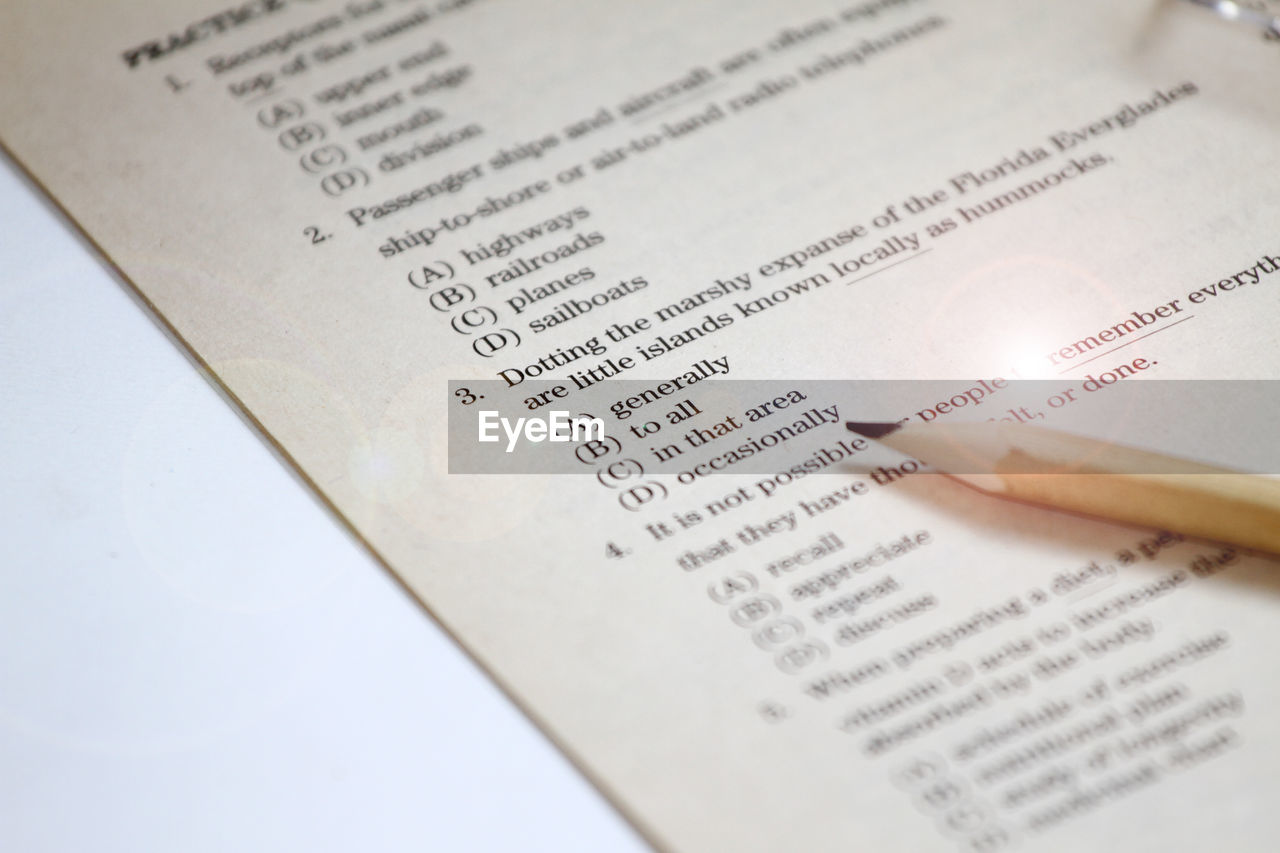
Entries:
{"x":341,"y":207}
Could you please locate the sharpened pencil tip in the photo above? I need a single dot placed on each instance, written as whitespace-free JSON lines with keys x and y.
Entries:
{"x":872,"y":429}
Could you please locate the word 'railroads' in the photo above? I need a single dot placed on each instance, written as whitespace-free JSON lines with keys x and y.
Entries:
{"x":557,"y":427}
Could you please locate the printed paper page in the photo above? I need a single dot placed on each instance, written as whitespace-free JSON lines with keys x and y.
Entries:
{"x":374,"y":222}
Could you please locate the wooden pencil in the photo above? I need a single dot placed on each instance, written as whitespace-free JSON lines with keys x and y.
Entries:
{"x":1084,"y":475}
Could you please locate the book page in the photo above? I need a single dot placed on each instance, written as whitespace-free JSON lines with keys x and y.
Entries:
{"x":387,"y":228}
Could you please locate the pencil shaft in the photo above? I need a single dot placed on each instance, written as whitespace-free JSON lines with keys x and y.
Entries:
{"x":1103,"y":479}
{"x":1239,"y":509}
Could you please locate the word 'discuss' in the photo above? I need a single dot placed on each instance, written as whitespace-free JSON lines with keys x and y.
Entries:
{"x":557,"y":426}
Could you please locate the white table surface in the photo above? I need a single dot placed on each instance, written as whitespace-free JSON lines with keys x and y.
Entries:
{"x":194,"y":655}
